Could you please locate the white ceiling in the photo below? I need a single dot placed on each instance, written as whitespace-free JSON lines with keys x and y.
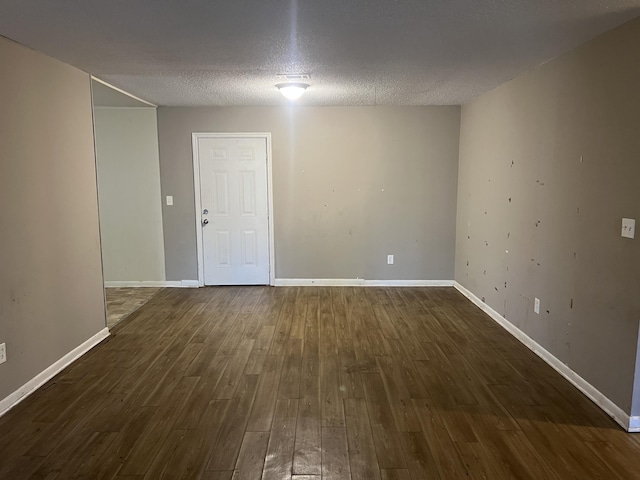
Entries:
{"x":358,"y":52}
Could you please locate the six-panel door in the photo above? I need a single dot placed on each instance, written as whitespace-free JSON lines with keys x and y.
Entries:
{"x":233,"y":195}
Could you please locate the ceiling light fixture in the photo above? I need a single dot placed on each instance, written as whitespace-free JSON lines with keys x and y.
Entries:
{"x":293,"y":90}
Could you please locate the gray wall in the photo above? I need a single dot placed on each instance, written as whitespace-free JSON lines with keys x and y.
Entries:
{"x":350,"y":185}
{"x":51,"y":294}
{"x":129,"y":194}
{"x":534,"y":220}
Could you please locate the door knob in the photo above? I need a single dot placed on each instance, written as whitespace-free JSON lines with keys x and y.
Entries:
{"x":205,"y":222}
{"x":205,"y":211}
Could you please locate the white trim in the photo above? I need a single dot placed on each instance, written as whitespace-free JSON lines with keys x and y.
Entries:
{"x":320,"y":282}
{"x":43,"y":377}
{"x":408,"y":283}
{"x":128,"y":283}
{"x":196,"y":188}
{"x":358,"y":282}
{"x":634,"y":424}
{"x":576,"y":380}
{"x":153,"y":283}
{"x":272,"y":247}
{"x":100,"y":107}
{"x":123,"y":92}
{"x":184,"y":284}
{"x":198,"y":207}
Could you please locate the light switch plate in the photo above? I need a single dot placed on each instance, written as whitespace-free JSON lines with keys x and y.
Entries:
{"x":169,"y":200}
{"x":629,"y":227}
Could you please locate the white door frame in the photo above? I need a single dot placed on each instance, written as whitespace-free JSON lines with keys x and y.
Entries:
{"x":196,"y":187}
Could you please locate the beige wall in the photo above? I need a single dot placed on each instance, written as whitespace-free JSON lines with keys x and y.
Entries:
{"x":129,"y":194}
{"x":51,"y":295}
{"x":350,"y":185}
{"x":548,"y":167}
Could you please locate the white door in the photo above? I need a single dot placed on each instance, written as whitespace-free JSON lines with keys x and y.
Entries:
{"x":234,"y":210}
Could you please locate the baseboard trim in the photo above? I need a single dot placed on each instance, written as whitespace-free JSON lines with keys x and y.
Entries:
{"x":43,"y":377}
{"x":319,"y":282}
{"x":358,"y":282}
{"x":152,"y":283}
{"x":127,"y":283}
{"x":634,"y":424}
{"x":408,"y":283}
{"x":576,"y":380}
{"x":183,"y":284}
{"x":295,"y":282}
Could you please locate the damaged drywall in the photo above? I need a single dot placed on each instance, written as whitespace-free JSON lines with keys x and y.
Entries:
{"x":548,"y":167}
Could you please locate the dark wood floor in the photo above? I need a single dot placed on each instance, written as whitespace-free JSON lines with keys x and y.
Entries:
{"x":311,"y":383}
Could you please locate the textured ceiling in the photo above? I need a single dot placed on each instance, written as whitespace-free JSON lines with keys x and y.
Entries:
{"x":358,"y":52}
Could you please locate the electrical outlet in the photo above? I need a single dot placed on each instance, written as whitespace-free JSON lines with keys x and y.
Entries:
{"x":169,"y":199}
{"x":3,"y":352}
{"x":629,"y":227}
{"x":536,"y":306}
{"x":389,"y":259}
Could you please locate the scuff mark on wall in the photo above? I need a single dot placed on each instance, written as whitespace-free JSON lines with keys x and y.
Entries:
{"x":557,"y":115}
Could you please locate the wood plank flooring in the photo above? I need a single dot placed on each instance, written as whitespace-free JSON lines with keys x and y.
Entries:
{"x":311,"y":383}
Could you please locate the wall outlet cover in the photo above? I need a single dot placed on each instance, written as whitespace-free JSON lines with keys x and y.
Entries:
{"x":389,"y":259}
{"x":629,"y":227}
{"x":536,"y":306}
{"x":3,"y":352}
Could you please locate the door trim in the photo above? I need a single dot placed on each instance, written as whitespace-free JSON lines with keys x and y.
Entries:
{"x":198,"y":206}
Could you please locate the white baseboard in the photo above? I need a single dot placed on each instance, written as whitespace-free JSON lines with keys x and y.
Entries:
{"x":408,"y":283}
{"x":152,"y":283}
{"x":358,"y":282}
{"x":576,"y":380}
{"x":128,"y":283}
{"x":183,"y":284}
{"x":321,"y":282}
{"x":296,"y":282}
{"x":43,"y":377}
{"x":634,"y":424}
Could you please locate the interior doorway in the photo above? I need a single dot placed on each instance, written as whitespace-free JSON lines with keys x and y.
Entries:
{"x":128,"y":174}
